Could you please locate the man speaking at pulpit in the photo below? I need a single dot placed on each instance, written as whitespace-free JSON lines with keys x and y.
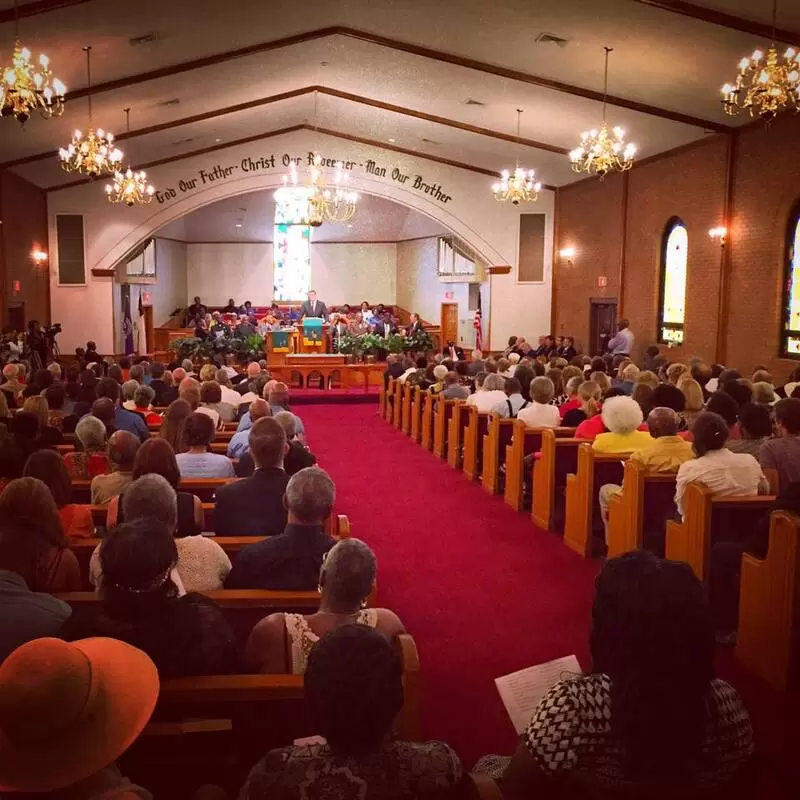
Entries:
{"x":313,"y":307}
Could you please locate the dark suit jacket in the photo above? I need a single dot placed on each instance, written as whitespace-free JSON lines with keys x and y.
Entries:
{"x":459,"y":352}
{"x":414,"y":327}
{"x":252,"y":506}
{"x":298,"y":457}
{"x":321,"y":310}
{"x":380,"y":328}
{"x":392,"y":371}
{"x":289,"y":561}
{"x":164,"y":394}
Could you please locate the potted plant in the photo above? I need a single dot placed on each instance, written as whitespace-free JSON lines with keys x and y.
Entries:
{"x":371,"y":343}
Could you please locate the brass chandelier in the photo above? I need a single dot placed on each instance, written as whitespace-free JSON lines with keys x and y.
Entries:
{"x":603,"y":151}
{"x":767,"y":83}
{"x":130,"y":187}
{"x":519,"y":186}
{"x":340,"y":203}
{"x":95,"y":154}
{"x":26,"y":87}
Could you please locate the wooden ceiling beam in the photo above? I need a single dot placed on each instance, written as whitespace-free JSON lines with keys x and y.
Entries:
{"x":724,"y":20}
{"x":37,"y":7}
{"x":405,"y":47}
{"x":330,"y":92}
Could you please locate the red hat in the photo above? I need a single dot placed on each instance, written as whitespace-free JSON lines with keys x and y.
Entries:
{"x":67,"y":710}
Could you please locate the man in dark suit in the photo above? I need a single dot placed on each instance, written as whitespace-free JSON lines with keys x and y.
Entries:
{"x":385,"y":326}
{"x":394,"y":369}
{"x":313,"y":307}
{"x":164,"y":394}
{"x":338,"y":329}
{"x":291,"y":560}
{"x":254,"y":505}
{"x":415,"y":326}
{"x":453,"y":352}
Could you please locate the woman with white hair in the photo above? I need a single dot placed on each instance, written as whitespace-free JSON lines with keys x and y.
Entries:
{"x":623,"y":418}
{"x":439,"y":373}
{"x":492,"y":393}
{"x":91,"y":459}
{"x":281,"y":642}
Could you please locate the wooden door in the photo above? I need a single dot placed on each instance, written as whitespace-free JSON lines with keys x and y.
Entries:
{"x":602,"y":324}
{"x":148,"y":328}
{"x":16,"y":317}
{"x":449,"y":324}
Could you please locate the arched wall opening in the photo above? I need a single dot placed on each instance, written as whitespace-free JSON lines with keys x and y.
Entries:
{"x":457,"y":199}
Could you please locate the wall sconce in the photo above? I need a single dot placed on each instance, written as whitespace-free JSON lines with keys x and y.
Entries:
{"x":567,"y":254}
{"x":38,"y":257}
{"x":719,"y":233}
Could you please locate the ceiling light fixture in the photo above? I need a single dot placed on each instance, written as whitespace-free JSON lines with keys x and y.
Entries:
{"x":95,"y":154}
{"x":603,"y":151}
{"x":341,"y":203}
{"x":130,"y":187}
{"x":766,"y":84}
{"x":26,"y":87}
{"x":519,"y":186}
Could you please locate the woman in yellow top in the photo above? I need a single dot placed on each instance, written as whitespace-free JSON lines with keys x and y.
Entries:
{"x":622,"y":416}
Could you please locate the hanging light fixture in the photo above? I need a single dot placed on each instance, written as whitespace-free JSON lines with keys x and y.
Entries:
{"x":602,"y":151}
{"x":766,"y":84}
{"x":95,"y":154}
{"x":26,"y":87}
{"x":519,"y":186}
{"x":340,"y":202}
{"x":130,"y":187}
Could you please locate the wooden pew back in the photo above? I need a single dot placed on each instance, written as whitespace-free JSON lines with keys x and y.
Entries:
{"x":475,"y":430}
{"x":426,"y":425}
{"x":582,"y":506}
{"x":769,"y":606}
{"x":559,"y":458}
{"x":455,"y":433}
{"x":205,"y":488}
{"x":638,"y":517}
{"x":499,"y":432}
{"x":397,"y":405}
{"x":388,"y":407}
{"x":406,"y":416}
{"x":416,"y":414}
{"x":441,"y":421}
{"x":708,"y":519}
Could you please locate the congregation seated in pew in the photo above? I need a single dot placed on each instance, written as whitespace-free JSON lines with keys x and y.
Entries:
{"x":197,"y":461}
{"x":122,"y":449}
{"x":282,"y":642}
{"x":622,"y":416}
{"x":172,"y":427}
{"x":91,"y":459}
{"x":541,"y":413}
{"x":184,"y":634}
{"x":291,"y":559}
{"x":488,"y":394}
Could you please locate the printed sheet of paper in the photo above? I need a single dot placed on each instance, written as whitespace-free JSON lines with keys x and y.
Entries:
{"x":521,"y":691}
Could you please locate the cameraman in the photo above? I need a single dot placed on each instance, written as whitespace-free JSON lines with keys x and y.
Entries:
{"x":37,"y":344}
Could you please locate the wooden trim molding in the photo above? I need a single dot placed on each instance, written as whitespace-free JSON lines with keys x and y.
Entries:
{"x":406,"y":47}
{"x":500,"y":269}
{"x":623,"y":245}
{"x":276,"y":98}
{"x":38,"y":7}
{"x":723,"y":305}
{"x":724,"y":20}
{"x":102,"y":273}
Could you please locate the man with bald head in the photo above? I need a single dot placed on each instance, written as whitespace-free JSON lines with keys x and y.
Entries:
{"x":239,"y":444}
{"x":665,"y":453}
{"x":122,"y":449}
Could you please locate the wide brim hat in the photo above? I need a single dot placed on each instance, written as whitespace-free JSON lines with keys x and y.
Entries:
{"x":68,"y":710}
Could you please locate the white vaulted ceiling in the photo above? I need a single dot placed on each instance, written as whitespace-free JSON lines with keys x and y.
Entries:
{"x":387,"y":69}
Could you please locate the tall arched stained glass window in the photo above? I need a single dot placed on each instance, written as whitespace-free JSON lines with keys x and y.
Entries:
{"x":292,"y":245}
{"x":790,"y":338}
{"x":672,"y":295}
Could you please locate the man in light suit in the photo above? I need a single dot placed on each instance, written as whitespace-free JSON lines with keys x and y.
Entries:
{"x":313,"y":307}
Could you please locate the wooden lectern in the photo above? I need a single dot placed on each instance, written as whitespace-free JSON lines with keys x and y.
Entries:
{"x":311,"y":336}
{"x":279,"y":344}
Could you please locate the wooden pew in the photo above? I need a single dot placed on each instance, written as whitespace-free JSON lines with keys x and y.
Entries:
{"x":769,"y":606}
{"x":406,"y":420}
{"x":382,"y":401}
{"x":220,"y":447}
{"x":426,"y":423}
{"x":397,"y":405}
{"x":582,"y":506}
{"x":455,"y":433}
{"x":707,"y":519}
{"x":637,"y":518}
{"x":495,"y":444}
{"x":441,"y":421}
{"x":415,"y":431}
{"x":190,"y":697}
{"x":389,"y":401}
{"x":204,"y":488}
{"x":524,"y":442}
{"x":475,"y":430}
{"x":559,"y":458}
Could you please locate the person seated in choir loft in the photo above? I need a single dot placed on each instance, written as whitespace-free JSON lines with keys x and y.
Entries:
{"x":313,"y":307}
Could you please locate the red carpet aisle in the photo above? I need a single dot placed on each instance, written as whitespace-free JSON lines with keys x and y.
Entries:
{"x":482,"y":591}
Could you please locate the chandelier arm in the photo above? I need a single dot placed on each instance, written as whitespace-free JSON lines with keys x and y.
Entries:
{"x":16,"y":19}
{"x":774,"y":18}
{"x":88,"y":50}
{"x":605,"y":82}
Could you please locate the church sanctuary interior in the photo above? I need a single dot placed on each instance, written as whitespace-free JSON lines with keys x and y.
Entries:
{"x":400,"y":400}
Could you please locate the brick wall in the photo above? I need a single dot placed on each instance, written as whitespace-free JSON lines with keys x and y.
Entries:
{"x":689,"y":183}
{"x":23,"y":211}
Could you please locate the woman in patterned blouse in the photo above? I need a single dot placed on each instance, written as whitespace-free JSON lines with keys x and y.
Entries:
{"x":650,"y":720}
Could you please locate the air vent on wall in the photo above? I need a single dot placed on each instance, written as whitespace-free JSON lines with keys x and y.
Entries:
{"x":551,"y":38}
{"x":470,"y":102}
{"x":173,"y":101}
{"x":179,"y":142}
{"x":147,"y":38}
{"x":430,"y":141}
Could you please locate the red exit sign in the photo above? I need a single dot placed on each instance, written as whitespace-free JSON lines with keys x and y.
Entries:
{"x":602,"y":281}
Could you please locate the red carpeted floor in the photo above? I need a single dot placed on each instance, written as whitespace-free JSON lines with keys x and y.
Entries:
{"x":482,"y":591}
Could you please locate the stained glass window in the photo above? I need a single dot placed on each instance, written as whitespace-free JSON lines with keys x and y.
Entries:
{"x":790,"y":344}
{"x":672,"y":304}
{"x":292,"y":245}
